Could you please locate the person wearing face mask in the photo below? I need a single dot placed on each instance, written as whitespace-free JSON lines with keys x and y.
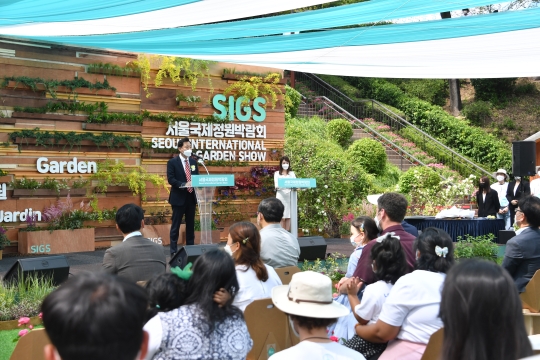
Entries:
{"x":487,"y":199}
{"x":255,"y":278}
{"x":501,"y":187}
{"x":279,"y":248}
{"x":522,"y":254}
{"x":535,"y":184}
{"x":516,"y":190}
{"x":284,"y":194}
{"x":391,"y":210}
{"x":182,"y":197}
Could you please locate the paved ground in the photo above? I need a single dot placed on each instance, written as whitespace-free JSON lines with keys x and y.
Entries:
{"x":91,"y":261}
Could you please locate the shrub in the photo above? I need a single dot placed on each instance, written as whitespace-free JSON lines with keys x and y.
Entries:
{"x":509,"y":123}
{"x":434,"y":91}
{"x":418,"y":176}
{"x":478,"y":112}
{"x":476,"y":247}
{"x":525,"y":88}
{"x":496,"y":91}
{"x":292,"y":102}
{"x":369,"y":154}
{"x":340,"y":130}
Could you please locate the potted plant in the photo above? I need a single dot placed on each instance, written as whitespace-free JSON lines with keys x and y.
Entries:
{"x":183,"y":101}
{"x":64,"y":232}
{"x":4,"y":241}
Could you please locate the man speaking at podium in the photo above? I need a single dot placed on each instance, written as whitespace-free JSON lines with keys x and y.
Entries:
{"x":182,"y":197}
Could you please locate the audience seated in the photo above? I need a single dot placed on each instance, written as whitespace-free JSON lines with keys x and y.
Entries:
{"x":522,"y":255}
{"x":136,"y":258}
{"x":363,"y":230}
{"x":95,"y":316}
{"x":307,"y":300}
{"x":256,"y":279}
{"x":279,"y":248}
{"x":482,"y":315}
{"x":411,"y":310}
{"x":391,"y":210}
{"x":202,"y":328}
{"x":389,"y":265}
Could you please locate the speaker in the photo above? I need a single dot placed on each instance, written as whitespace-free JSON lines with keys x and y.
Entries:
{"x":505,"y":235}
{"x":188,"y":254}
{"x":54,"y":267}
{"x":524,"y":158}
{"x":312,"y":248}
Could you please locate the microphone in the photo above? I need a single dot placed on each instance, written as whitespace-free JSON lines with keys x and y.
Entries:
{"x":197,"y":157}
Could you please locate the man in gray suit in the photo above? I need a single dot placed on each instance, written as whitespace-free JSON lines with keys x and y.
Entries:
{"x":136,"y":258}
{"x":522,"y":256}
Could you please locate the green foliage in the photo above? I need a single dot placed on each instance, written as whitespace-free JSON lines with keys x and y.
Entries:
{"x":292,"y":102}
{"x":478,"y":112}
{"x":3,"y":172}
{"x":251,"y":87}
{"x":388,"y":180}
{"x":434,"y":91}
{"x":52,"y":85}
{"x":71,"y":107}
{"x":23,"y":298}
{"x":4,"y":241}
{"x":509,"y":123}
{"x":340,"y":130}
{"x":25,"y":183}
{"x":525,"y":88}
{"x":418,"y":176}
{"x":496,"y":91}
{"x":52,"y":139}
{"x":197,"y":225}
{"x":476,"y":247}
{"x":369,"y":154}
{"x":334,"y":266}
{"x":113,"y":69}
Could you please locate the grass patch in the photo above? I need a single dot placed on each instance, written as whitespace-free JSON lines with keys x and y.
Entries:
{"x":7,"y":345}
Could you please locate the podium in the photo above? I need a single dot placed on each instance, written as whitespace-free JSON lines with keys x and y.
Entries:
{"x":296,"y":184}
{"x":205,"y":186}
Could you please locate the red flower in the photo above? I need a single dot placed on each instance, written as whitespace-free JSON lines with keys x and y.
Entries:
{"x":334,"y":338}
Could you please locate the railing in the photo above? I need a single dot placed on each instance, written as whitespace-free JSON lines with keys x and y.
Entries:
{"x":377,"y":111}
{"x":326,"y":108}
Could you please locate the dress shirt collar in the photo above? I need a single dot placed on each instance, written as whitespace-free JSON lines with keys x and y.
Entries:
{"x":272,"y":226}
{"x":520,"y":230}
{"x":132,"y":234}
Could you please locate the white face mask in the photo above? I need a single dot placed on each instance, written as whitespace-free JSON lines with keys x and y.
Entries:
{"x":285,"y":166}
{"x":292,"y":327}
{"x":500,"y":177}
{"x":538,"y":173}
{"x":187,"y":153}
{"x":378,"y":223}
{"x":228,"y":250}
{"x":353,"y":243}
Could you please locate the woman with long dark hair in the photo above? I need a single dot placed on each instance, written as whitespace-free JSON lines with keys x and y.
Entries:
{"x":482,"y":314}
{"x":256,"y":279}
{"x":410,"y":313}
{"x":284,"y":195}
{"x":202,"y":328}
{"x":487,"y":199}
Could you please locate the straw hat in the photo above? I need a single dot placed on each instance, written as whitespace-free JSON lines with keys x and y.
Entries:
{"x":309,"y":294}
{"x":500,"y":171}
{"x":373,"y":198}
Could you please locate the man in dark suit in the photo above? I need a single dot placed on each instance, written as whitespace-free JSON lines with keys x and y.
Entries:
{"x":182,"y":197}
{"x":522,"y":255}
{"x":136,"y":258}
{"x":516,"y":190}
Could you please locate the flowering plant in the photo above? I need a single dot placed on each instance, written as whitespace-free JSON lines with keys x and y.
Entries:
{"x":334,"y":266}
{"x":62,"y":216}
{"x":4,"y":241}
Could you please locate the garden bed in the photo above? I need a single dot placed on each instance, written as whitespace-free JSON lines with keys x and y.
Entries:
{"x":17,"y":193}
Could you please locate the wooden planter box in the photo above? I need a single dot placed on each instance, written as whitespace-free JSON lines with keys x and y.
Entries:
{"x":103,"y":224}
{"x":14,"y":324}
{"x":47,"y":192}
{"x":111,"y":73}
{"x":282,"y":81}
{"x":56,"y":242}
{"x":153,"y":155}
{"x":58,"y":117}
{"x":112,"y":127}
{"x":62,"y":89}
{"x":135,"y":144}
{"x":117,"y":191}
{"x":7,"y":121}
{"x":160,"y":234}
{"x":215,"y":237}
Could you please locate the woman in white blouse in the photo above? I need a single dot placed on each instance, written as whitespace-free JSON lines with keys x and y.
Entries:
{"x":284,"y":194}
{"x":255,"y":278}
{"x":410,"y":314}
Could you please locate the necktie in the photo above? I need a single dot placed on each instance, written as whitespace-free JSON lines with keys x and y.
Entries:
{"x":188,"y":175}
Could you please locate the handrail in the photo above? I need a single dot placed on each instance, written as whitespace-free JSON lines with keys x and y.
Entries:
{"x":373,"y":132}
{"x":451,"y":158}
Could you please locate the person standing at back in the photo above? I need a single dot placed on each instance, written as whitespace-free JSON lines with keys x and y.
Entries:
{"x":501,"y":187}
{"x":516,"y":190}
{"x":279,"y":248}
{"x":284,"y":194}
{"x":136,"y":258}
{"x":182,"y":197}
{"x":487,"y":199}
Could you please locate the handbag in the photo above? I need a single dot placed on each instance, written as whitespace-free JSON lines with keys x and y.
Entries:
{"x":368,"y":349}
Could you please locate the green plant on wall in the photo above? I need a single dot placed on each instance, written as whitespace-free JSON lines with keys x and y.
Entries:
{"x":111,"y":173}
{"x":185,"y":70}
{"x":251,"y":87}
{"x":52,"y":85}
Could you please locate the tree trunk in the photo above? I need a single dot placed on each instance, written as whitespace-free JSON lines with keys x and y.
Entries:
{"x":455,"y":97}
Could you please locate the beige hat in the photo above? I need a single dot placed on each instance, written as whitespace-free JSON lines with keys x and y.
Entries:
{"x":309,"y":294}
{"x":500,"y":171}
{"x":373,"y":198}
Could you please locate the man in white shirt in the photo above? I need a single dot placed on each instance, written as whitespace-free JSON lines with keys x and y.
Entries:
{"x":501,"y":186}
{"x":279,"y":248}
{"x":535,"y":184}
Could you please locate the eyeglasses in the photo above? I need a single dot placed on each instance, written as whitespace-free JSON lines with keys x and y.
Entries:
{"x":519,"y":210}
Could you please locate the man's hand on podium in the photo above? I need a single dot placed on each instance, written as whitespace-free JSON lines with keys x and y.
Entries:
{"x":188,"y":184}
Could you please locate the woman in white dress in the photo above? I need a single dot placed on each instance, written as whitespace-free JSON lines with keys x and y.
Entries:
{"x":284,"y":194}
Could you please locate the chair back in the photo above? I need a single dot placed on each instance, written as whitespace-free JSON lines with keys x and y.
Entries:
{"x":31,"y":345}
{"x":268,"y":327}
{"x":285,"y":273}
{"x":434,"y":346}
{"x":531,"y":297}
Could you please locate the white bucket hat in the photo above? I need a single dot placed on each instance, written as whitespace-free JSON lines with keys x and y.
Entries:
{"x":373,"y":198}
{"x":500,"y":171}
{"x":537,"y":168}
{"x":309,"y":294}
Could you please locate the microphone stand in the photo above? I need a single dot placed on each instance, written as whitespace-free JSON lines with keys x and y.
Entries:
{"x":200,"y":161}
